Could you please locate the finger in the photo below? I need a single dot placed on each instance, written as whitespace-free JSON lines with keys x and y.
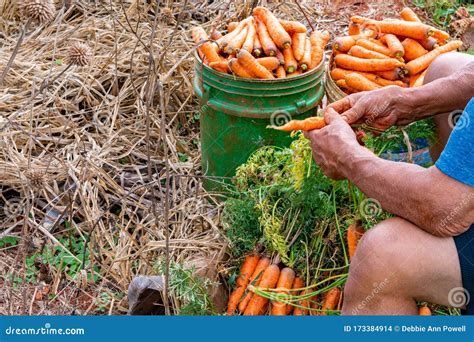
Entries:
{"x":353,"y":114}
{"x":341,"y":105}
{"x":330,"y":115}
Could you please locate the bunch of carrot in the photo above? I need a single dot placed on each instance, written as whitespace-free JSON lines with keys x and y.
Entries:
{"x":376,"y":54}
{"x":262,"y":46}
{"x":257,"y":272}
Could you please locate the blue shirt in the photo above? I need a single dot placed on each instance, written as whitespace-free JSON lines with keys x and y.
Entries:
{"x":457,"y":158}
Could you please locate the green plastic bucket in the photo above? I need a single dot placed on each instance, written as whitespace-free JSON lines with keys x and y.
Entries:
{"x":235,"y":111}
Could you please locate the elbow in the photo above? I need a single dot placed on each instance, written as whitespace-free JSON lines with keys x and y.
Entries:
{"x":448,"y":226}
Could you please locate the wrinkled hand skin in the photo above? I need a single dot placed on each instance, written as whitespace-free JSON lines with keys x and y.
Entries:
{"x":331,"y":143}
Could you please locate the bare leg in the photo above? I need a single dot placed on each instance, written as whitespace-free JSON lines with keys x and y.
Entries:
{"x":444,"y":66}
{"x":397,"y":264}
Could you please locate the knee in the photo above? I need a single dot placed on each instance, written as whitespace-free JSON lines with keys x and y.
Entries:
{"x":445,"y":65}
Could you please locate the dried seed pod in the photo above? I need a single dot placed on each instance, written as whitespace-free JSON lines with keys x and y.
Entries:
{"x":79,"y":54}
{"x":36,"y":179}
{"x":41,"y":11}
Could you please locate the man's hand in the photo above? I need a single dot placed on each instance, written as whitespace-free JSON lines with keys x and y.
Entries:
{"x":332,"y":144}
{"x":380,"y":108}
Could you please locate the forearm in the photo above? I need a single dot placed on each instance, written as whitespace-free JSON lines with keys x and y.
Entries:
{"x":443,"y":95}
{"x":425,"y":197}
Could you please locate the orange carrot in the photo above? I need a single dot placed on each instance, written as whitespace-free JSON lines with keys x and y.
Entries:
{"x":362,"y":52}
{"x":232,"y":25}
{"x":298,"y":42}
{"x":440,"y":35}
{"x":238,"y":69}
{"x":246,"y":270}
{"x":413,"y":49}
{"x":429,"y":43}
{"x":215,"y":35}
{"x":222,"y":66}
{"x":208,"y":49}
{"x":255,"y":281}
{"x":313,"y":302}
{"x":359,"y":64}
{"x":360,"y":83}
{"x":250,"y":39}
{"x":297,"y":285}
{"x":258,"y":303}
{"x":410,"y":29}
{"x":354,"y":29}
{"x":290,"y":62}
{"x":343,"y":44}
{"x":418,"y":79}
{"x":314,"y":122}
{"x":318,"y":40}
{"x":408,"y":15}
{"x":257,"y":46}
{"x":421,"y":63}
{"x":280,"y":72}
{"x":292,"y":26}
{"x":340,"y":74}
{"x":280,"y":57}
{"x":394,"y":45}
{"x":237,"y":42}
{"x":268,"y":44}
{"x":374,"y":46}
{"x":424,"y":311}
{"x":294,"y":73}
{"x":271,"y":63}
{"x":343,"y":85}
{"x":354,"y":234}
{"x":301,"y":309}
{"x":287,"y":275}
{"x":306,"y":60}
{"x":281,"y":38}
{"x":383,"y":82}
{"x":250,"y":63}
{"x":331,"y":300}
{"x":391,"y":75}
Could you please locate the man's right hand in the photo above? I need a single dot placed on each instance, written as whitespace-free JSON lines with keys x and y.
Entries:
{"x":381,"y":108}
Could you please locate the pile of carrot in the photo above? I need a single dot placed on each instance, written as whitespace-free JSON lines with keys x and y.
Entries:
{"x":260,"y":272}
{"x":376,"y":54}
{"x":262,"y":46}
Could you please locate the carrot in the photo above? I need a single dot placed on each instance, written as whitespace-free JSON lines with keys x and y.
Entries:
{"x":268,"y":45}
{"x":215,"y":35}
{"x":391,"y":75}
{"x":232,"y":25}
{"x":251,"y":64}
{"x":237,"y":42}
{"x":354,"y":29}
{"x":238,"y":69}
{"x":383,"y":82}
{"x":222,"y":66}
{"x":280,"y":57}
{"x":370,"y":45}
{"x":254,"y":280}
{"x":408,"y":15}
{"x":271,"y":63}
{"x":208,"y":49}
{"x":301,"y":309}
{"x":418,"y":79}
{"x":421,"y":63}
{"x":257,"y":46}
{"x":318,"y":40}
{"x":298,"y":42}
{"x":269,"y":279}
{"x":362,"y":52}
{"x":292,"y":26}
{"x":394,"y":45}
{"x":306,"y":60}
{"x":246,"y":270}
{"x":287,"y":275}
{"x":294,"y":73}
{"x":340,"y":74}
{"x":250,"y":39}
{"x":410,"y":29}
{"x":360,"y":83}
{"x":331,"y":300}
{"x":314,"y":122}
{"x":313,"y":302}
{"x":424,"y":311}
{"x":290,"y":62}
{"x":297,"y":284}
{"x":280,"y":72}
{"x":281,"y":38}
{"x":429,"y":43}
{"x":440,"y":35}
{"x":342,"y":84}
{"x":354,"y":233}
{"x":359,"y":64}
{"x":343,"y":44}
{"x":413,"y":49}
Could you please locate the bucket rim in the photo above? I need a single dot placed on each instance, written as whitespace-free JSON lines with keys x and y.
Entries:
{"x":258,"y":80}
